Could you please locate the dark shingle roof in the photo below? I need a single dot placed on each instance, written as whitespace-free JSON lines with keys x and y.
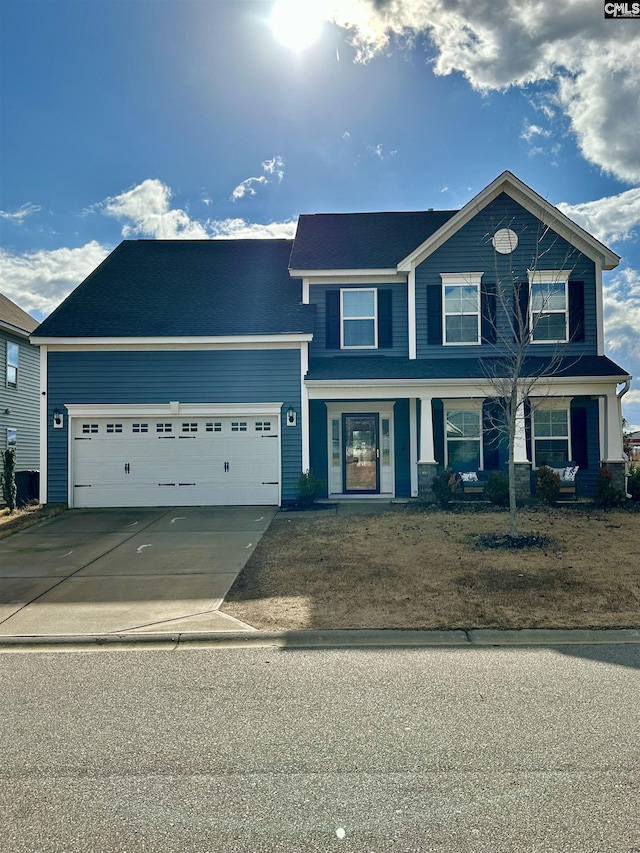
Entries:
{"x":12,"y":315}
{"x":184,"y":288}
{"x":361,"y":240}
{"x":392,"y":368}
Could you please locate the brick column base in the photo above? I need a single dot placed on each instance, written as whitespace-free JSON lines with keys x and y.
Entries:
{"x":426,"y":472}
{"x":523,"y":480}
{"x":618,"y":471}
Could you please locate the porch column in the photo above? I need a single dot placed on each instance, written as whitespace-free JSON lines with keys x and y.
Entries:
{"x":427,"y":450}
{"x":520,"y":438}
{"x":613,"y":457}
{"x":427,"y":465}
{"x":613,"y":449}
{"x":522,"y":463}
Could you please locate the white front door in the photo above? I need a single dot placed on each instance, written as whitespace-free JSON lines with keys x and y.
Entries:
{"x":351,"y":471}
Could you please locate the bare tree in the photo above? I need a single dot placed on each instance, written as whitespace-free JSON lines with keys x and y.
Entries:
{"x":517,"y":316}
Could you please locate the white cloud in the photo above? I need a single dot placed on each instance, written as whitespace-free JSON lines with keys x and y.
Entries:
{"x":379,"y":152}
{"x":240,"y":229}
{"x":622,"y":312}
{"x":18,"y":216}
{"x":609,"y":219}
{"x":496,"y":44}
{"x":532,"y":130}
{"x":39,"y":281}
{"x":275,"y":166}
{"x":247,"y":187}
{"x":146,"y":211}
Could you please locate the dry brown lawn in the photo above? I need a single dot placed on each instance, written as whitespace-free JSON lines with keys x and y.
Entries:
{"x":25,"y":517}
{"x":412,"y":568}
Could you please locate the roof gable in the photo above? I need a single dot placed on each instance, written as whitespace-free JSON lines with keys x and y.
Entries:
{"x":185,"y":288}
{"x":12,"y":317}
{"x":531,"y":201}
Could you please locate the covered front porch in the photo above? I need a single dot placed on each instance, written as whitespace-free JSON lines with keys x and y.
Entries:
{"x":393,"y":445}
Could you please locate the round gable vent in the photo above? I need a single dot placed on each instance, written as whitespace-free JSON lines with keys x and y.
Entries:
{"x":505,"y":241}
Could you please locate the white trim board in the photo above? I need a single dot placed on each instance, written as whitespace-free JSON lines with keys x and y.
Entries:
{"x":221,"y":342}
{"x":80,"y":410}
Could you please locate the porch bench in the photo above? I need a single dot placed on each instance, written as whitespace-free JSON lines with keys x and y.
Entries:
{"x":568,"y":474}
{"x":472,"y":482}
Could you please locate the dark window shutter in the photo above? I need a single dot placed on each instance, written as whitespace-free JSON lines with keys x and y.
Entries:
{"x":522,"y":295}
{"x":385,"y":334}
{"x":488,"y":321}
{"x":438,"y":430}
{"x":576,"y":311}
{"x":434,"y":314}
{"x":333,"y":319}
{"x":528,"y":430}
{"x":579,"y":446}
{"x":491,"y":415}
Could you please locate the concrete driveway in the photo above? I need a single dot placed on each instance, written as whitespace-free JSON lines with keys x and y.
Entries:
{"x":127,"y":570}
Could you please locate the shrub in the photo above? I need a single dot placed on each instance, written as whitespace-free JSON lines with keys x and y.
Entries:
{"x":633,"y":483}
{"x":9,"y":489}
{"x":608,"y":493}
{"x":547,"y":486}
{"x":496,"y":489}
{"x":443,"y":486}
{"x":308,"y":489}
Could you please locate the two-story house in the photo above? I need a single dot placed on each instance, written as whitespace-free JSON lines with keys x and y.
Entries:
{"x":369,"y":349}
{"x":19,"y":391}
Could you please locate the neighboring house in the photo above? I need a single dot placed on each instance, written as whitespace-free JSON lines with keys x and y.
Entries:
{"x":20,"y":387}
{"x":634,"y":446}
{"x":214,"y":372}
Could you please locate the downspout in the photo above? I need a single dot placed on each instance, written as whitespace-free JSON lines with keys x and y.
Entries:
{"x":620,"y":395}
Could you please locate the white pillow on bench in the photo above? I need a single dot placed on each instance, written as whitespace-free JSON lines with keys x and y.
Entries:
{"x":568,"y":474}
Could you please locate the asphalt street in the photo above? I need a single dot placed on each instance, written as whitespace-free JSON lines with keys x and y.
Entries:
{"x":361,"y":751}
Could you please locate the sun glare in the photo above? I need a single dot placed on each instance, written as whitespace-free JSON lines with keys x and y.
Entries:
{"x":297,"y":24}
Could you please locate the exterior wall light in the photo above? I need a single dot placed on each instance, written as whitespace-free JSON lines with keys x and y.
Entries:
{"x":291,"y":417}
{"x":58,"y":419}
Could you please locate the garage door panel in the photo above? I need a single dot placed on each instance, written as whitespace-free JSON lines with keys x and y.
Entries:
{"x":175,"y":461}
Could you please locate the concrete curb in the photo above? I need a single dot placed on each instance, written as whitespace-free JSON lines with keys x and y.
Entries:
{"x":352,"y":639}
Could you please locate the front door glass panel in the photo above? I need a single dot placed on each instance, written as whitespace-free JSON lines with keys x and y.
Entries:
{"x":361,"y":454}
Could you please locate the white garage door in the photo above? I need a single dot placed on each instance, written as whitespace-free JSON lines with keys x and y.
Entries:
{"x":175,"y":461}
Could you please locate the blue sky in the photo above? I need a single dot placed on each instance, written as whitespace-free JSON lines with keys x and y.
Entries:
{"x":189,"y":118}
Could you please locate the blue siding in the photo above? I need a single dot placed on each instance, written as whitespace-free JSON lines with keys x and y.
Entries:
{"x":470,"y":250}
{"x":400,"y":326}
{"x":318,"y":442}
{"x":234,"y":376}
{"x":22,"y":402}
{"x":401,"y":448}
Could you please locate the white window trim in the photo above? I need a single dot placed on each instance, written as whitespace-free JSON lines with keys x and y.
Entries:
{"x":550,"y":277}
{"x":555,"y":405}
{"x":459,"y":279}
{"x":374,"y":317}
{"x":471,"y":405}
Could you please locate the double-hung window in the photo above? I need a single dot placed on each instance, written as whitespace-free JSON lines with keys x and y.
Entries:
{"x":463,"y":429}
{"x":551,"y":436}
{"x":549,"y":313}
{"x":461,"y":308}
{"x":359,"y":318}
{"x":13,"y":355}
